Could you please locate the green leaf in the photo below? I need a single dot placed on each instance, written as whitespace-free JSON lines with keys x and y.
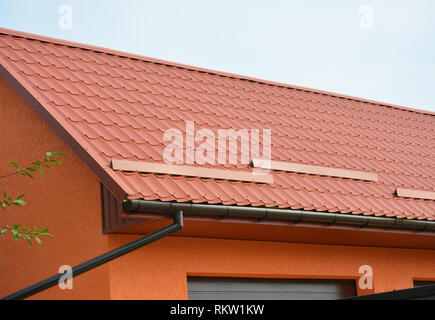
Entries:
{"x":20,"y":196}
{"x":3,"y":231}
{"x":54,"y":160}
{"x":14,"y":164}
{"x":46,"y":235}
{"x":15,"y":234}
{"x":28,"y":239}
{"x":28,"y":174}
{"x":38,"y":240}
{"x":19,"y":202}
{"x":40,"y":170}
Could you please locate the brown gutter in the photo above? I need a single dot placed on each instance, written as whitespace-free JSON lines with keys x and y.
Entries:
{"x":133,"y":207}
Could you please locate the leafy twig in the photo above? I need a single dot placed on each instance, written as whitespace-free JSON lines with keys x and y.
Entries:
{"x":20,"y":231}
{"x":8,"y":202}
{"x":35,"y":166}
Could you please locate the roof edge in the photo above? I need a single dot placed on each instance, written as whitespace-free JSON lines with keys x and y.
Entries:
{"x":37,"y":37}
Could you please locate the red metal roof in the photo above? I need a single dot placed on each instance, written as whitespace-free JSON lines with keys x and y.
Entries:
{"x":112,"y":105}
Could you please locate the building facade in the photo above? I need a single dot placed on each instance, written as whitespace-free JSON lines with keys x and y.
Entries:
{"x":350,"y":206}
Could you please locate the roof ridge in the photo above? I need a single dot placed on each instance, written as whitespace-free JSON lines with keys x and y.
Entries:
{"x":31,"y":36}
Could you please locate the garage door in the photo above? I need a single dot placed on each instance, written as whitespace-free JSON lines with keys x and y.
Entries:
{"x":268,"y":289}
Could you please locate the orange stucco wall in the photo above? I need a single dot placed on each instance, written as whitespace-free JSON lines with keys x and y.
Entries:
{"x":67,"y":200}
{"x":159,"y":271}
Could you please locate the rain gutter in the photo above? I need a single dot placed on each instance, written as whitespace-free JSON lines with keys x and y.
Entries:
{"x":136,"y":207}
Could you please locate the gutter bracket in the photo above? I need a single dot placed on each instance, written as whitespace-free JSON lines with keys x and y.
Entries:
{"x":424,"y":229}
{"x":364,"y":225}
{"x":334,"y":221}
{"x":299,"y":219}
{"x":225,"y":215}
{"x":263,"y":217}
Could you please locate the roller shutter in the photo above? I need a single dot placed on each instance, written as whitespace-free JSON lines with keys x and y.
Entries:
{"x":268,"y":289}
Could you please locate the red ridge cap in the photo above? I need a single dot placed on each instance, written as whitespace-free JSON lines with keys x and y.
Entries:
{"x":37,"y":37}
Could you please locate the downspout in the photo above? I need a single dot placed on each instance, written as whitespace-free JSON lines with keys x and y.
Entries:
{"x":135,"y":207}
{"x":106,"y":257}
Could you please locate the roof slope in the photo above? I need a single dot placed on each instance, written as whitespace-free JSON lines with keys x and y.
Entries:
{"x":117,"y":106}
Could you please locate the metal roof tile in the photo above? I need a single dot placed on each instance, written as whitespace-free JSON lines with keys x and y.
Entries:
{"x":119,"y":107}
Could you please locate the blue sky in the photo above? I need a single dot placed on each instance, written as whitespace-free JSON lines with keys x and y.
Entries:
{"x":314,"y":43}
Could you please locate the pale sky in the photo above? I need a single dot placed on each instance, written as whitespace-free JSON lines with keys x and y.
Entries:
{"x":378,"y":49}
